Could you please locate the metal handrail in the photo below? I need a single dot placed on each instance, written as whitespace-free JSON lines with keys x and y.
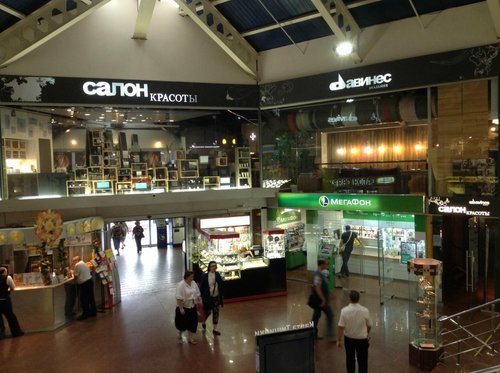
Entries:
{"x":473,"y":341}
{"x":477,"y":308}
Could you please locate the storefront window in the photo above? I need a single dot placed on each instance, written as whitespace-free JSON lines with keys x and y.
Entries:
{"x":58,"y":152}
{"x":375,"y":144}
{"x":464,"y":150}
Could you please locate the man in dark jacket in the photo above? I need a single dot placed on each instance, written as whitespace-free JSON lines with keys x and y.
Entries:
{"x":320,"y":286}
{"x":6,"y":286}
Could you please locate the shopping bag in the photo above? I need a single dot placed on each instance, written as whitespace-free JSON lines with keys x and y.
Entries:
{"x":201,"y":312}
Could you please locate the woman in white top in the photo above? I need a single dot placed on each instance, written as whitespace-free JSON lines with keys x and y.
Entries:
{"x":187,"y":295}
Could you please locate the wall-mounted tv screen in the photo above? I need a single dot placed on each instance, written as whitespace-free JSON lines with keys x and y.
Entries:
{"x":103,"y":185}
{"x":141,"y":186}
{"x":291,"y":351}
{"x":204,"y":159}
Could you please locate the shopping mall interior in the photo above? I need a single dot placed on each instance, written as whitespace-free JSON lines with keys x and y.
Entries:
{"x":234,"y":131}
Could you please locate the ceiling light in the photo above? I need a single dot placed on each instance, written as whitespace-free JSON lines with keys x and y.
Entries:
{"x":173,"y":3}
{"x":68,"y":130}
{"x":344,"y":48}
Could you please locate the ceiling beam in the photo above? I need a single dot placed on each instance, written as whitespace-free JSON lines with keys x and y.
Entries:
{"x":209,"y":19}
{"x":42,"y":25}
{"x":303,"y":18}
{"x":143,"y":20}
{"x":341,"y":22}
{"x":494,"y":7}
{"x":11,"y":11}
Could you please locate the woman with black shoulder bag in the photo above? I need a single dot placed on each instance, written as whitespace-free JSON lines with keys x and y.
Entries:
{"x":212,"y":294}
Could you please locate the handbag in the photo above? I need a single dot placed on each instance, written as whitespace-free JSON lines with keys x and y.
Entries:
{"x":201,"y":312}
{"x":314,"y":300}
{"x":342,"y":244}
{"x":357,"y":242}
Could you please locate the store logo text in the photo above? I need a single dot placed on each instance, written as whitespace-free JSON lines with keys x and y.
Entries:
{"x":135,"y":90}
{"x":372,"y":82}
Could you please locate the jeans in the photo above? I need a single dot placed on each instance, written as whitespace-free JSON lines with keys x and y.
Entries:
{"x":344,"y":270}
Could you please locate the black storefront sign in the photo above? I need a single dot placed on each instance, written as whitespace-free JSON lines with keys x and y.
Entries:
{"x":472,"y":206}
{"x":94,"y":91}
{"x":467,"y":64}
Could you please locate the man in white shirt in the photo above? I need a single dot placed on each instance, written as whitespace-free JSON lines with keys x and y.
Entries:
{"x":354,"y":325}
{"x":85,"y":284}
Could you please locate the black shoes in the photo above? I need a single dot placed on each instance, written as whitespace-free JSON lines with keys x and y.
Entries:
{"x":21,"y":333}
{"x":82,"y":317}
{"x":216,"y":332}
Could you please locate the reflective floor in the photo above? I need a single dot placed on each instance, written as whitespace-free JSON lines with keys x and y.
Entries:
{"x":138,"y":335}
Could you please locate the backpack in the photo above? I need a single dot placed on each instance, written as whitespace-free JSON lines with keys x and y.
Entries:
{"x":116,"y":231}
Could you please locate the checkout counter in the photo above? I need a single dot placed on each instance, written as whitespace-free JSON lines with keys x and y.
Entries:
{"x":43,"y":307}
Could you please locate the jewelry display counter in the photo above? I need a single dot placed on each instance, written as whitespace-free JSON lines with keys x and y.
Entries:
{"x":245,"y":275}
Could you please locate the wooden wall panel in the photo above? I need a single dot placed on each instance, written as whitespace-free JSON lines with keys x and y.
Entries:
{"x":475,"y":97}
{"x":449,"y":100}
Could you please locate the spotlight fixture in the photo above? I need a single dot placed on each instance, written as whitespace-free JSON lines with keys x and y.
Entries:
{"x":344,"y":48}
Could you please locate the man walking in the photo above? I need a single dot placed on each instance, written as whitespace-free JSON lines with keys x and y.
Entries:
{"x":320,"y":286}
{"x":354,"y":325}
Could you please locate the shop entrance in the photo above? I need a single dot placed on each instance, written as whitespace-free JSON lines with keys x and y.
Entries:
{"x":157,"y":233}
{"x":467,"y":252}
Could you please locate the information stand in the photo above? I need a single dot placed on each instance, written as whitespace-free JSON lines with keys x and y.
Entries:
{"x":285,"y":349}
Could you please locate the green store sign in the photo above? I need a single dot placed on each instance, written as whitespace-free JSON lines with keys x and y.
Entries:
{"x":288,"y":217}
{"x":352,"y":202}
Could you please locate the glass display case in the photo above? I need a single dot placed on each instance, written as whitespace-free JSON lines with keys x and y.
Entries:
{"x":274,"y":243}
{"x":424,"y":311}
{"x":230,"y":249}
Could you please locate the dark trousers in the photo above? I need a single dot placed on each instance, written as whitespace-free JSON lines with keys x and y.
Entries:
{"x":329,"y":319}
{"x":117,"y":242}
{"x":213,"y":309}
{"x":6,"y":310}
{"x":344,"y":270}
{"x":87,"y":298}
{"x":356,"y":348}
{"x":69,"y":304}
{"x":139,"y":244}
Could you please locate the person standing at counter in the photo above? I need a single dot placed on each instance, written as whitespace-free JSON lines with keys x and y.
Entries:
{"x":6,"y":286}
{"x":347,"y":242}
{"x":85,"y":284}
{"x":212,"y":295}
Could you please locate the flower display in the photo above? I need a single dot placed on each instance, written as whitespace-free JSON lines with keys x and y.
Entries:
{"x":48,"y":226}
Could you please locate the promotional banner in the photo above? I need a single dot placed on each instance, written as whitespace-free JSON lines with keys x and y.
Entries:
{"x":473,"y":63}
{"x":94,"y":91}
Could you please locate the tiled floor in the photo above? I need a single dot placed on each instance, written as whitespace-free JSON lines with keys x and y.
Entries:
{"x":138,"y":335}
